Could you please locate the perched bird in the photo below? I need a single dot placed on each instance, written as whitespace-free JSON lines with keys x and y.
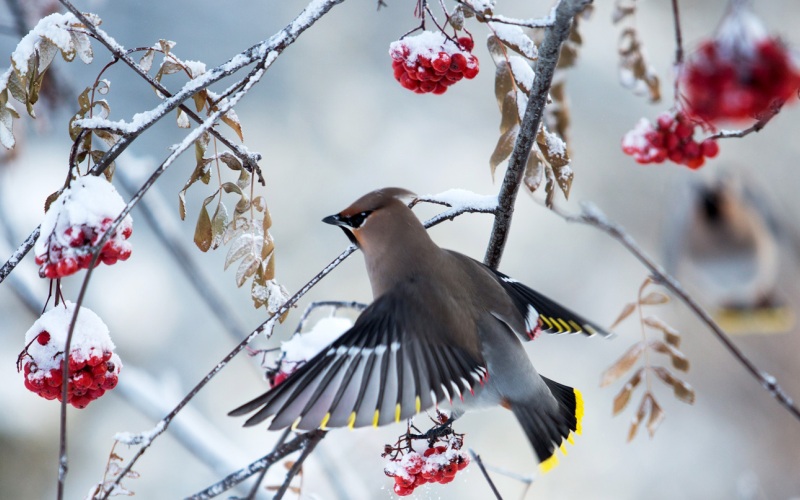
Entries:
{"x":724,"y":240}
{"x":443,"y":329}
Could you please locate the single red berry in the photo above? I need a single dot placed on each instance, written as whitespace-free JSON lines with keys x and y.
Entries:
{"x":403,"y":491}
{"x":458,"y":63}
{"x":442,"y":62}
{"x":709,"y":148}
{"x":466,"y":43}
{"x":43,"y":338}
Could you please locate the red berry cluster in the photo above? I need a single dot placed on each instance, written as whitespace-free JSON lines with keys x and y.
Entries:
{"x":672,"y":138}
{"x":724,"y":85}
{"x":89,"y":376}
{"x":437,"y":464}
{"x":429,"y":62}
{"x":75,"y":222}
{"x":60,"y":261}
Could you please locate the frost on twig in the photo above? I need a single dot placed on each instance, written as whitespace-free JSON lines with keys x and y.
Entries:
{"x":460,"y":201}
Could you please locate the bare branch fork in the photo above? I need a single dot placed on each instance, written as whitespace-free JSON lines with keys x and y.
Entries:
{"x":591,"y":215}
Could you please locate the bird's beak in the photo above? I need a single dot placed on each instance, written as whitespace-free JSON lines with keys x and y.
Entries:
{"x":334,"y":220}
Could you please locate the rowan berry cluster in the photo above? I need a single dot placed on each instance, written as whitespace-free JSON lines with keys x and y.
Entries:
{"x":742,"y":73}
{"x":438,"y":464}
{"x":75,"y":222}
{"x":434,"y":457}
{"x":93,"y":366}
{"x":671,"y":138}
{"x":431,"y":62}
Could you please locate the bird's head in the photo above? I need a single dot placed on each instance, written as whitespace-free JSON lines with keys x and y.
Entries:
{"x":369,"y":215}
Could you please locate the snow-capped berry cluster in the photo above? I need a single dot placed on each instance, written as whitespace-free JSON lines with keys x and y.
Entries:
{"x":742,"y":73}
{"x":437,"y":464}
{"x":93,"y":365}
{"x":431,"y":62}
{"x":76,"y":221}
{"x":671,"y":138}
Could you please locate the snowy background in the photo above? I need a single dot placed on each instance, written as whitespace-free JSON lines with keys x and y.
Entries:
{"x":333,"y":124}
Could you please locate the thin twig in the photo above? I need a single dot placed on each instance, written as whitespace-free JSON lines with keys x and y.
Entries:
{"x":265,"y":326}
{"x":312,"y":443}
{"x":265,"y":462}
{"x":755,"y":128}
{"x":676,"y":20}
{"x":477,"y":459}
{"x":246,"y":157}
{"x":254,"y":490}
{"x":549,"y":52}
{"x":592,"y":216}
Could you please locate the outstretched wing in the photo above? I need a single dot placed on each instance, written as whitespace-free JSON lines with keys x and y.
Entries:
{"x":543,"y":314}
{"x":386,"y":368}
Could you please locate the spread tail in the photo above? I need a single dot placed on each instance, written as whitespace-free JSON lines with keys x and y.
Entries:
{"x":547,"y":430}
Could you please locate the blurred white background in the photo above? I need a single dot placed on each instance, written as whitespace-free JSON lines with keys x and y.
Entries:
{"x":332,"y":124}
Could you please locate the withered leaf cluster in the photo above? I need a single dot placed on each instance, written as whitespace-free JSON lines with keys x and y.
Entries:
{"x":642,"y":353}
{"x":548,"y":163}
{"x":634,"y":71}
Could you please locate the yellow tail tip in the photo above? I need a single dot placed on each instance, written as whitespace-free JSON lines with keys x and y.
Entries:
{"x":578,"y":411}
{"x":324,"y":423}
{"x":375,"y":418}
{"x":548,"y":464}
{"x":351,"y":422}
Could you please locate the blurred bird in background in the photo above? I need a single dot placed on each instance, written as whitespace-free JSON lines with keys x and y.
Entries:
{"x":443,"y":330}
{"x":724,"y":240}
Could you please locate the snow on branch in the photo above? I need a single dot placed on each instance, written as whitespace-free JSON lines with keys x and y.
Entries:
{"x":460,"y":201}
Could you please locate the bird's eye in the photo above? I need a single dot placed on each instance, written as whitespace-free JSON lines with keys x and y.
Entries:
{"x":356,"y":220}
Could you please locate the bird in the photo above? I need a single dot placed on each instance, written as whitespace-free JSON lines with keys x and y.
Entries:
{"x":443,"y":329}
{"x":725,"y":240}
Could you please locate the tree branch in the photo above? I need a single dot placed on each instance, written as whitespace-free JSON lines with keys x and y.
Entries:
{"x":592,"y":216}
{"x":477,"y":459}
{"x":265,"y":462}
{"x":549,"y":52}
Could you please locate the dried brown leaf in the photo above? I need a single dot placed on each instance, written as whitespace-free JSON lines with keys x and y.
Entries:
{"x":671,"y":336}
{"x":231,"y":119}
{"x":246,"y":269}
{"x":526,"y":48}
{"x":621,"y":399}
{"x":629,"y":308}
{"x":679,"y":360}
{"x":534,"y":172}
{"x":638,"y":417}
{"x":146,"y":62}
{"x":505,"y":145}
{"x":503,"y":82}
{"x":623,"y":364}
{"x":203,"y":233}
{"x":496,"y":49}
{"x":682,"y":390}
{"x":656,"y":417}
{"x":654,"y":298}
{"x":509,"y":115}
